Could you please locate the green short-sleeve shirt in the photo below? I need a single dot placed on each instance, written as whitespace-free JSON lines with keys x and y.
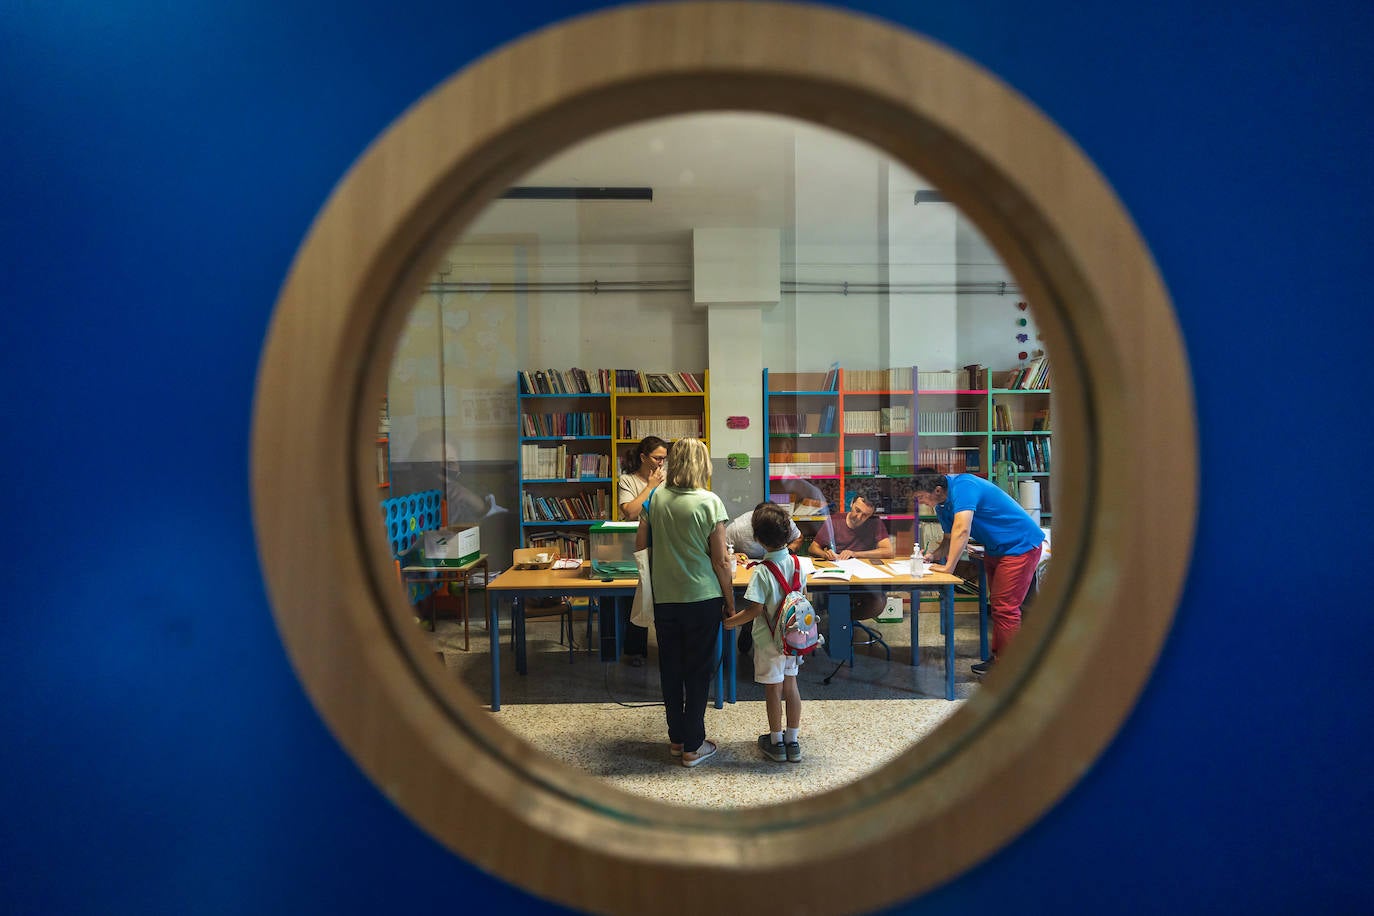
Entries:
{"x":680,"y":524}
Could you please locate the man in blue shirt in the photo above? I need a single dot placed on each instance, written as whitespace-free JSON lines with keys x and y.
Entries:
{"x":969,"y":506}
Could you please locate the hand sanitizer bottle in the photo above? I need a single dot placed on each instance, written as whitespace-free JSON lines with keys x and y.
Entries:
{"x":918,"y":561}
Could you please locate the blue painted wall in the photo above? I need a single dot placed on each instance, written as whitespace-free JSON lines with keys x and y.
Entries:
{"x":159,"y":165}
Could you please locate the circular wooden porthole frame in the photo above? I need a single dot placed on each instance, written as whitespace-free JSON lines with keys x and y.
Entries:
{"x":1125,"y":437}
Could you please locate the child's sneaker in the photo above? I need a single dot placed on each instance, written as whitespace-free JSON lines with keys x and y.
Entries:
{"x":793,"y":750}
{"x":772,"y":750}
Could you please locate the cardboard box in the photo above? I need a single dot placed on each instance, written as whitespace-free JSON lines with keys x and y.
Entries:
{"x":454,"y":546}
{"x":527,"y":557}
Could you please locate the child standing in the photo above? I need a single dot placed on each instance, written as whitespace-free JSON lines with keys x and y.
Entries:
{"x":774,"y":670}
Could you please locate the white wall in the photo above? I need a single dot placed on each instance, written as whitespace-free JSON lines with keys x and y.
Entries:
{"x":987,"y":322}
{"x":489,"y":335}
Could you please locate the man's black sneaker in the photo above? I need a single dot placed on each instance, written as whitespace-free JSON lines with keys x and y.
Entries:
{"x":982,"y":668}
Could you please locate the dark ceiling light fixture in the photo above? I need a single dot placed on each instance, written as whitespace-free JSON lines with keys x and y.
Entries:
{"x":542,"y":193}
{"x":930,"y":197}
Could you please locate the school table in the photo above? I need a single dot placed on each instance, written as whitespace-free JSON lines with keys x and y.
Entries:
{"x":517,"y":585}
{"x":419,"y":568}
{"x":839,"y":641}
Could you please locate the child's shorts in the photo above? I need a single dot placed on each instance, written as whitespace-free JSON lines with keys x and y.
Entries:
{"x":770,"y":665}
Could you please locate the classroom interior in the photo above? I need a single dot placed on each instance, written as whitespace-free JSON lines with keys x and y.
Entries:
{"x":845,"y":324}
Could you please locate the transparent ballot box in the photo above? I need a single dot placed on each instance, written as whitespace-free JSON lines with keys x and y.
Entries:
{"x":611,"y":548}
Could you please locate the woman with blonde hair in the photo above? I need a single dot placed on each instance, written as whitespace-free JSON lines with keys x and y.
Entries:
{"x":684,"y":527}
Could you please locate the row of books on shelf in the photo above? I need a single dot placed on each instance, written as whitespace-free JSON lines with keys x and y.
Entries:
{"x":955,"y":460}
{"x":897,"y":378}
{"x":1003,"y":422}
{"x":965,"y":379}
{"x":384,"y":418}
{"x":803,"y":508}
{"x":573,"y":381}
{"x":890,"y":496}
{"x":383,"y":464}
{"x":637,"y":380}
{"x":565,"y":424}
{"x":877,"y":461}
{"x":894,"y":419}
{"x":1033,"y":376}
{"x":794,"y":468}
{"x":590,"y":506}
{"x":959,"y":420}
{"x":816,"y":422}
{"x":542,"y":461}
{"x":1030,"y":454}
{"x":664,"y":427}
{"x":565,"y":545}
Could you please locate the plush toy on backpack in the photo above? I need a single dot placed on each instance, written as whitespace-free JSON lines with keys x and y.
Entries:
{"x":796,"y":618}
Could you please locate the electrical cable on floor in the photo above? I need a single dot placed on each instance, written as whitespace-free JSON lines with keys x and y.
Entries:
{"x":606,"y":679}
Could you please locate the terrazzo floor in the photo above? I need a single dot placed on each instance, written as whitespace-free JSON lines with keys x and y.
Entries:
{"x":607,"y":719}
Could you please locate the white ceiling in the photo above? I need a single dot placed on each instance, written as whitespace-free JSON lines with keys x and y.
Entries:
{"x":726,"y":169}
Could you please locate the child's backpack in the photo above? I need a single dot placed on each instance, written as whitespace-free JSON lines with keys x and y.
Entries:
{"x":796,"y":618}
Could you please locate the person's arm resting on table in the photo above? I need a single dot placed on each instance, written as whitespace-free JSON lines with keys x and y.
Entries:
{"x":882,"y":552}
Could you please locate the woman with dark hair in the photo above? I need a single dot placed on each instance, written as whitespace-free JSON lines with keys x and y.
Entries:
{"x":684,"y":529}
{"x":641,"y":473}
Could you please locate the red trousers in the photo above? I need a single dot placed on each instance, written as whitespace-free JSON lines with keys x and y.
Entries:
{"x":1009,"y":578}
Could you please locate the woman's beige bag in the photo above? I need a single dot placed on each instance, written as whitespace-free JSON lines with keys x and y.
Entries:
{"x":642,"y":610}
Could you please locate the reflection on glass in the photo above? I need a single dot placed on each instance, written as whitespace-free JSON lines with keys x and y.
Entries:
{"x":814,"y":312}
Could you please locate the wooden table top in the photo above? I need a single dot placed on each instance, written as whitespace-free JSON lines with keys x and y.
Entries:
{"x":581,"y":579}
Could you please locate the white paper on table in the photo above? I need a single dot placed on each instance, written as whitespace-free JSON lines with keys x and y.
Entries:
{"x":807,"y":566}
{"x":862,"y":569}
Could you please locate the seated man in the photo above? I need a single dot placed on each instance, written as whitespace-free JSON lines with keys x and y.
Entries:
{"x":740,"y":533}
{"x":860,"y":534}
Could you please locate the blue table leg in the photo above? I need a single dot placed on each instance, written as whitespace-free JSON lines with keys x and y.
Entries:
{"x":732,"y":664}
{"x":517,"y":623}
{"x":841,"y":627}
{"x":493,"y":608}
{"x":983,"y":611}
{"x":915,"y":597}
{"x":947,"y":614}
{"x":720,"y":673}
{"x":622,"y":617}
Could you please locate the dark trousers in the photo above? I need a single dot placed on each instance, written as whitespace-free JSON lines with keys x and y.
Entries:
{"x":686,"y":659}
{"x":636,"y":638}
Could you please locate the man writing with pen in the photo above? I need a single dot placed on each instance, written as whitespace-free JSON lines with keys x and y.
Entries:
{"x":856,"y":534}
